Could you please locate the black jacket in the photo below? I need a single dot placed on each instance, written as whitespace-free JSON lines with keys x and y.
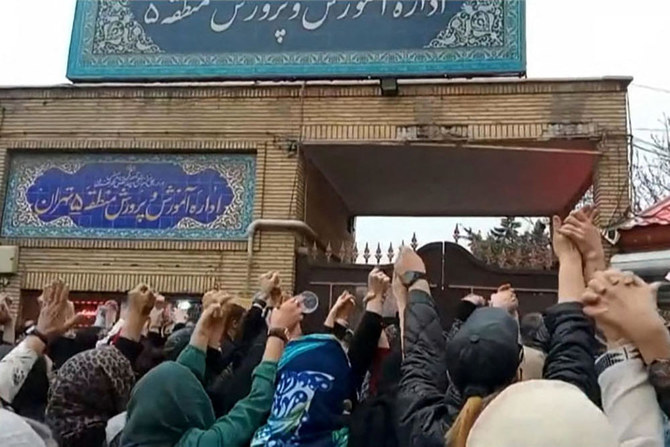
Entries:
{"x":428,"y":405}
{"x":571,"y":348}
{"x":424,"y":413}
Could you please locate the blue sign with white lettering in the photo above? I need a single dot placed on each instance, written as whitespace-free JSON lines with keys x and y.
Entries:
{"x":166,"y":196}
{"x":278,"y":39}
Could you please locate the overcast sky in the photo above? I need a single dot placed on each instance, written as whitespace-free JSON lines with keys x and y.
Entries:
{"x":565,"y":38}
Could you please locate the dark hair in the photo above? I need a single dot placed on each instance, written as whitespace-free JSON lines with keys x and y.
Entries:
{"x":530,"y":326}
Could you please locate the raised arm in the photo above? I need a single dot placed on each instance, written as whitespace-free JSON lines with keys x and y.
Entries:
{"x":236,"y":428}
{"x":16,"y":365}
{"x":579,"y":227}
{"x":422,"y":411}
{"x":624,"y":307}
{"x":364,"y":343}
{"x":572,"y":345}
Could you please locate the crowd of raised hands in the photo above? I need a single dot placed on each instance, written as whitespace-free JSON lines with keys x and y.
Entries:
{"x":591,"y":370}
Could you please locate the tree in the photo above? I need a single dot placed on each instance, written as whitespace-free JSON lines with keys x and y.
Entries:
{"x":509,"y":247}
{"x":651,"y":168}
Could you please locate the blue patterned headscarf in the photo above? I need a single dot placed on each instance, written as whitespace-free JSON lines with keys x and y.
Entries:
{"x":314,"y":380}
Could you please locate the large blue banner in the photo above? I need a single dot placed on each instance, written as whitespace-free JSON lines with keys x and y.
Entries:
{"x":278,"y":39}
{"x":118,"y":196}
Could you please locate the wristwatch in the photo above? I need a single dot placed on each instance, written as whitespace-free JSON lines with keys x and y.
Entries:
{"x":280,"y":333}
{"x":410,"y":277}
{"x":33,"y":331}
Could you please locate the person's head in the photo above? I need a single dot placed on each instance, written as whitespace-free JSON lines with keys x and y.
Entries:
{"x":166,"y":403}
{"x":529,"y":327}
{"x":315,"y":368}
{"x":16,"y":431}
{"x":90,"y":388}
{"x":176,"y":343}
{"x":482,"y":358}
{"x":540,"y":413}
{"x":111,"y":314}
{"x":485,"y":354}
{"x":234,"y":321}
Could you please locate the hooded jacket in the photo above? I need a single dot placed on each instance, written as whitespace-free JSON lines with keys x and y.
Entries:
{"x":169,"y":407}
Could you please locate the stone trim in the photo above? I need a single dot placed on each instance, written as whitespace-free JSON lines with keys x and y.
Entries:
{"x":341,"y":89}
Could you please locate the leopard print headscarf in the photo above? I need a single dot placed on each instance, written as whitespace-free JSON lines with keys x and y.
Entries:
{"x":89,"y":389}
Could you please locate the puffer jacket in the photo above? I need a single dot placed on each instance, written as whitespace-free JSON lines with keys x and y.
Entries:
{"x":572,"y":348}
{"x":428,"y":403}
{"x":424,"y":412}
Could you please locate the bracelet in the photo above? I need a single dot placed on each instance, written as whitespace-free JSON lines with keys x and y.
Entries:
{"x":280,"y":333}
{"x":614,"y":356}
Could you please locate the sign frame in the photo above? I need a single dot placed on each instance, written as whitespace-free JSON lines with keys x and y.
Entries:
{"x":458,"y":61}
{"x":238,"y":171}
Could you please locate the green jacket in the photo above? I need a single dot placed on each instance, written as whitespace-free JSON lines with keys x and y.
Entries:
{"x":169,"y":407}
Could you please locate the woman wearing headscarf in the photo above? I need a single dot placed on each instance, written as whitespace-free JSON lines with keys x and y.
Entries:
{"x":317,"y":382}
{"x":94,"y":385}
{"x":170,"y":407}
{"x":90,"y":388}
{"x":16,"y":431}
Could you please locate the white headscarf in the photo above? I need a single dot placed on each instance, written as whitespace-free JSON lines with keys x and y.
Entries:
{"x":16,"y":431}
{"x":542,"y":413}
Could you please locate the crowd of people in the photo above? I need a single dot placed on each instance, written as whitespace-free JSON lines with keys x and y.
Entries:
{"x":593,"y":370}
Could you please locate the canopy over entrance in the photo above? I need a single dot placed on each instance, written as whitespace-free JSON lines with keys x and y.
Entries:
{"x":438,"y":179}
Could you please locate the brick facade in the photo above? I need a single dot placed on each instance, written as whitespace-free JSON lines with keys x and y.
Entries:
{"x":272,"y":121}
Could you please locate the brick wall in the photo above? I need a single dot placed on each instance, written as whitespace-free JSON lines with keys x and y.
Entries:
{"x":266,"y":120}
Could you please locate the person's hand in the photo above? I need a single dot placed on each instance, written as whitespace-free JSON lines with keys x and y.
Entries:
{"x":222,"y":299}
{"x":623,"y":305}
{"x":211,"y":319}
{"x":378,"y":284}
{"x":564,"y":248}
{"x":288,"y":315}
{"x":505,"y":298}
{"x":270,"y":287}
{"x":344,"y":306}
{"x":216,"y":296}
{"x":141,"y":300}
{"x":477,"y":300}
{"x":408,"y":261}
{"x":579,"y":227}
{"x":53,"y":314}
{"x":268,"y":282}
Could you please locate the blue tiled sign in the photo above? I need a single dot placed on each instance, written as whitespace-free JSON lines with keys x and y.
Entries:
{"x":285,"y":39}
{"x":136,"y":197}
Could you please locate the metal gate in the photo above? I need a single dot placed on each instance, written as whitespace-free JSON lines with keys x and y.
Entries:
{"x":452,"y":272}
